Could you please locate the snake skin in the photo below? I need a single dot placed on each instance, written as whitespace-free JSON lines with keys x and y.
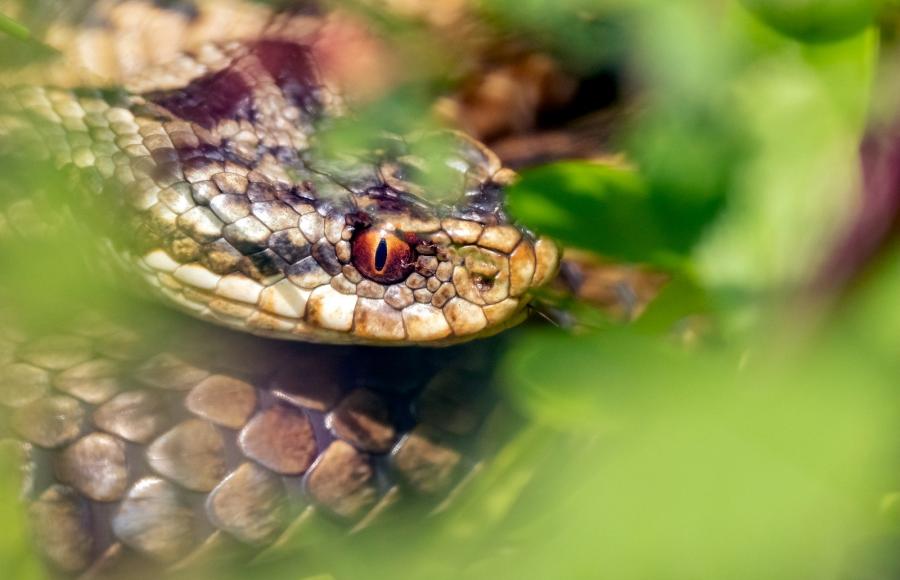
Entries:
{"x":150,"y":447}
{"x":223,"y":444}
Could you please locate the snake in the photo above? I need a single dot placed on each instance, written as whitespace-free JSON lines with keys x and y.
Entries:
{"x":271,"y":399}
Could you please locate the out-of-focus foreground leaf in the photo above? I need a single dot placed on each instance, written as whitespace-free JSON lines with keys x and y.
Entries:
{"x":13,"y":28}
{"x":692,"y":466}
{"x":16,"y":555}
{"x":816,"y":20}
{"x":18,"y":45}
{"x":602,"y":208}
{"x":745,"y":156}
{"x":586,"y":34}
{"x":766,"y":458}
{"x":872,"y":316}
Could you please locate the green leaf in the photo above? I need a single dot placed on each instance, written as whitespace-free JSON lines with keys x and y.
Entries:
{"x":16,"y":552}
{"x":816,"y":20}
{"x":721,"y":456}
{"x":13,"y":28}
{"x":871,"y":313}
{"x":19,"y":45}
{"x":585,"y":34}
{"x":604,"y":209}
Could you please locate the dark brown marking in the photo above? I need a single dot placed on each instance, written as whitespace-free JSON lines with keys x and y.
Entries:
{"x":262,"y":265}
{"x":293,"y":69}
{"x":229,"y":93}
{"x":210,"y":99}
{"x":384,"y":200}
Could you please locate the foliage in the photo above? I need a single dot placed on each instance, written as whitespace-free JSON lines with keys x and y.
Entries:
{"x":765,"y":456}
{"x":15,"y":553}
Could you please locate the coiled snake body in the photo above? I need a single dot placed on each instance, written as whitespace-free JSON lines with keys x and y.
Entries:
{"x":218,"y":200}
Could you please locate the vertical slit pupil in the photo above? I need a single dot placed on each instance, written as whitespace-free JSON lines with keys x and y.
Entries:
{"x":381,"y":255}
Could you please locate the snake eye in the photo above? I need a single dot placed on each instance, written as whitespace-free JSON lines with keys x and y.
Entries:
{"x":382,"y":256}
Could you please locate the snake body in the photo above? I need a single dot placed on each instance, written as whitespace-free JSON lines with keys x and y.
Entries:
{"x":219,"y":200}
{"x":161,"y":448}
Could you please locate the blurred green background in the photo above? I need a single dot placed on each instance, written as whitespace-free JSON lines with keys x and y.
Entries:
{"x":768,"y":447}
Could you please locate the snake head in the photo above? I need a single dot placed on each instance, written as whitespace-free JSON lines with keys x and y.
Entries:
{"x":363,"y":255}
{"x":231,"y":214}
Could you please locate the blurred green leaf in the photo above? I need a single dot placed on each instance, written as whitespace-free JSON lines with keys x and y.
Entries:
{"x":870,"y":313}
{"x":16,"y":553}
{"x":585,"y":34}
{"x":18,"y":46}
{"x":605,"y":209}
{"x":680,"y":298}
{"x":404,"y":110}
{"x":686,"y":139}
{"x":795,"y":191}
{"x":13,"y":28}
{"x":766,"y":464}
{"x":816,"y":20}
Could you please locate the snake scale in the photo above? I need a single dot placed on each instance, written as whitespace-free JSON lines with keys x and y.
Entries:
{"x":195,"y":435}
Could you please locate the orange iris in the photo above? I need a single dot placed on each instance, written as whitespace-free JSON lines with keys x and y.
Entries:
{"x":382,"y":256}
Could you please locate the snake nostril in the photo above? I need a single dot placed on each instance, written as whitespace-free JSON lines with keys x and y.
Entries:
{"x":482,"y":282}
